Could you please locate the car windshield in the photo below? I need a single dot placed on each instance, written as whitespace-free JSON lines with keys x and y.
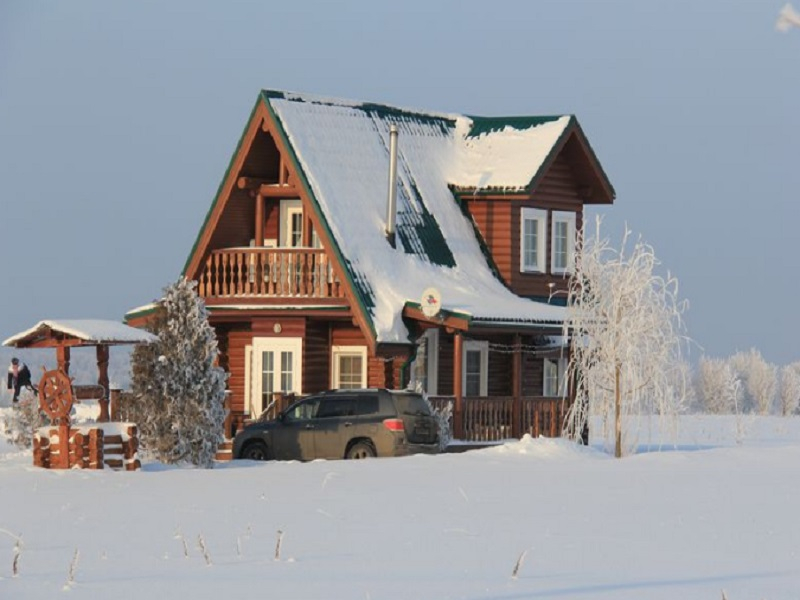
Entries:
{"x":411,"y":404}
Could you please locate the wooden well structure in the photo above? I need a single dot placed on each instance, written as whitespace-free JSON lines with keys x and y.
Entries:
{"x":65,"y":446}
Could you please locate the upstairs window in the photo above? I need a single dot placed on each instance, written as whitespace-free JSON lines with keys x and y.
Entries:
{"x":533,"y":228}
{"x":563,"y":242}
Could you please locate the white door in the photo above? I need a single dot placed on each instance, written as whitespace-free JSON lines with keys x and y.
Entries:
{"x":291,"y":226}
{"x":276,"y":367}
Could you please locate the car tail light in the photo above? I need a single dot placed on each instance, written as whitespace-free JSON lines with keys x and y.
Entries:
{"x":394,"y":424}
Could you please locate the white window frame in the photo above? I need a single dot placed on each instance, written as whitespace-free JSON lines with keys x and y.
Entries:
{"x":560,"y":364}
{"x":483,"y":347}
{"x":568,"y":218}
{"x":340,"y":351}
{"x":432,"y":362}
{"x":538,"y":216}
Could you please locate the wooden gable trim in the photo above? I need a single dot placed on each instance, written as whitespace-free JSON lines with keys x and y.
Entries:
{"x":229,"y":180}
{"x":296,"y":177}
{"x":574,"y":130}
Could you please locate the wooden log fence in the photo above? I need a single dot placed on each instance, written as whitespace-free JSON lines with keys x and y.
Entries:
{"x":88,"y":448}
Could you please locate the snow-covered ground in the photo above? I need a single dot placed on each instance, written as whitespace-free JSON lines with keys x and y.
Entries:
{"x":717,"y":513}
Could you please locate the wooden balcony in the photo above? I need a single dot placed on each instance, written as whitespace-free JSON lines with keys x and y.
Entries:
{"x":241,"y":273}
{"x":489,"y":419}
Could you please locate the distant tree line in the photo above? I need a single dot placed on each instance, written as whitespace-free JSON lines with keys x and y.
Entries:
{"x":746,"y":383}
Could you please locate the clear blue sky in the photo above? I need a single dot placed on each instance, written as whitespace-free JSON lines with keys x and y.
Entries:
{"x":117,"y":121}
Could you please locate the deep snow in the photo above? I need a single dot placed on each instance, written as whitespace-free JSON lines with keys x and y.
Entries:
{"x":719,"y":512}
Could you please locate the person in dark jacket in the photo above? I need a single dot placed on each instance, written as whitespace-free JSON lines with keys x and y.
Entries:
{"x":19,"y":376}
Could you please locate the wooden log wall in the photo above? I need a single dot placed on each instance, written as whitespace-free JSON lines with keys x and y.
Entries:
{"x":88,"y":449}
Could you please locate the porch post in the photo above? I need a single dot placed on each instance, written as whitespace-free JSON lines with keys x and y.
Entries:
{"x":516,"y":388}
{"x":458,"y":361}
{"x":102,"y":380}
{"x":62,"y":356}
{"x":259,"y":233}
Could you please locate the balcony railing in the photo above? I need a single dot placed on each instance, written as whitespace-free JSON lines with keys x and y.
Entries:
{"x":273,"y":272}
{"x":488,"y":419}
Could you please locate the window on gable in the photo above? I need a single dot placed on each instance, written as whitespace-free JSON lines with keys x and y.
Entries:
{"x":349,"y":367}
{"x":533,"y":227}
{"x":563,"y":242}
{"x":554,"y":378}
{"x":475,"y":368}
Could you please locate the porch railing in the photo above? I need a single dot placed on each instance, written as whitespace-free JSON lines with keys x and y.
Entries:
{"x":489,"y":419}
{"x":278,"y":272}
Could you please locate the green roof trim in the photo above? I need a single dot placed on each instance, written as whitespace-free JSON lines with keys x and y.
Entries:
{"x":219,"y":190}
{"x":362,"y":297}
{"x":483,"y":125}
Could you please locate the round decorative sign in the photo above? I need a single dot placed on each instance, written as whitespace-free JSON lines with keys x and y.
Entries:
{"x":431,"y":302}
{"x":277,"y":328}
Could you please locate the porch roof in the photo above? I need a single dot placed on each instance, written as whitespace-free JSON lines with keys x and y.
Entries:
{"x":79,"y":332}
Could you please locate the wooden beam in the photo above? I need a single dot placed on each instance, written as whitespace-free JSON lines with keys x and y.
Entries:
{"x":451,"y":322}
{"x":516,"y":388}
{"x":267,"y":187}
{"x":102,"y":379}
{"x":458,"y":417}
{"x":259,"y":233}
{"x":62,"y":356}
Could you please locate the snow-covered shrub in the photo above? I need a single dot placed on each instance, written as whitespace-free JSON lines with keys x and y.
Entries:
{"x":760,"y":380}
{"x":718,"y":387}
{"x":178,"y":389}
{"x":790,"y":389}
{"x":444,"y":416}
{"x":20,"y":422}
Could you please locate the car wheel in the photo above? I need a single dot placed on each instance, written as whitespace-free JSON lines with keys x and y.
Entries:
{"x":255,"y":451}
{"x":361,"y":450}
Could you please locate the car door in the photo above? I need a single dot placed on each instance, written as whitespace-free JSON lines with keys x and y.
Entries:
{"x":332,"y":426}
{"x":293,"y":437}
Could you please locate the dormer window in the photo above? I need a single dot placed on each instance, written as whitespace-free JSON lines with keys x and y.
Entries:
{"x":563,"y":242}
{"x":533,"y":228}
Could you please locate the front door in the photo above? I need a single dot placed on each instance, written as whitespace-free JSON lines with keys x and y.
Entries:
{"x":277,"y":367}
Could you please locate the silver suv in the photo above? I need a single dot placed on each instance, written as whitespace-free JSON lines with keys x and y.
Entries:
{"x":361,"y":423}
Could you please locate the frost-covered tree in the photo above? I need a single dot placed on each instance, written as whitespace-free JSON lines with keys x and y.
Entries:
{"x":719,"y":389}
{"x":179,"y":391}
{"x":760,"y":381}
{"x":626,"y":330}
{"x":790,"y":389}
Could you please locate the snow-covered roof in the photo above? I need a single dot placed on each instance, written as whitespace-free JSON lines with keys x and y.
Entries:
{"x":341,"y":148}
{"x":90,"y":331}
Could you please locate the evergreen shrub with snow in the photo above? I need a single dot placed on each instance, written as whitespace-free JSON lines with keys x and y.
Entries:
{"x":20,"y":422}
{"x":178,"y":390}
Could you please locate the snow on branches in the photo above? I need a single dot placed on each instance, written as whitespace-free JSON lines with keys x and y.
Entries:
{"x":179,"y":390}
{"x":626,"y":330}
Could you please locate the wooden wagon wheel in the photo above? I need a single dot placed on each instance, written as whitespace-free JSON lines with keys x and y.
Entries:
{"x":55,"y":394}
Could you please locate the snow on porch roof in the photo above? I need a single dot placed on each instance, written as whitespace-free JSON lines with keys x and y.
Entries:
{"x":90,"y":332}
{"x":341,"y":149}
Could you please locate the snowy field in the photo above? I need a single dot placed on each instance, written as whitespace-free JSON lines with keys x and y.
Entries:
{"x":719,"y":512}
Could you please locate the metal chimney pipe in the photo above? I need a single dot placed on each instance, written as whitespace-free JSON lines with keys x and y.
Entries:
{"x":391,"y":206}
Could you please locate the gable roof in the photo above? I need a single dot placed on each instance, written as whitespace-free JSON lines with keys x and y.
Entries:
{"x":341,"y":151}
